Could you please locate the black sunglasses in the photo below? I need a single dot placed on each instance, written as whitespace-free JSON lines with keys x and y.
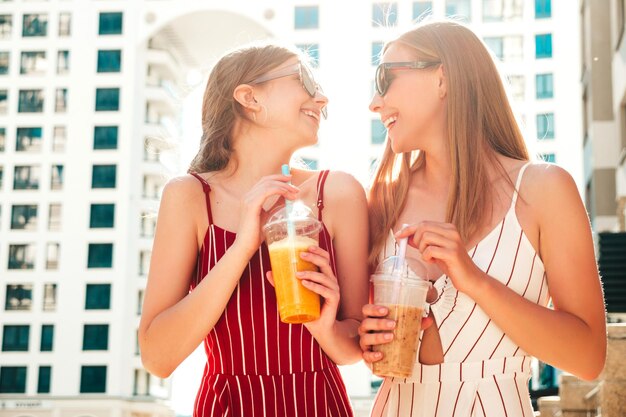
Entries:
{"x":384,"y":78}
{"x":306,"y":79}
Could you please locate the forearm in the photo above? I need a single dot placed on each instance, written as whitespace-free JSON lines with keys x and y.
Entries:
{"x":174,"y":333}
{"x":341,"y":344}
{"x":556,"y":337}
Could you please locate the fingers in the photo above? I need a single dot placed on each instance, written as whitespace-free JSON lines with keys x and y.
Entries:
{"x":318,"y":257}
{"x":373,"y":310}
{"x":370,"y":357}
{"x":437,"y":231}
{"x":427,"y":321}
{"x":270,"y":277}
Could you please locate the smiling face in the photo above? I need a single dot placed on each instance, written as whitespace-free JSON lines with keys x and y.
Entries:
{"x":413,"y":108}
{"x":289,"y":108}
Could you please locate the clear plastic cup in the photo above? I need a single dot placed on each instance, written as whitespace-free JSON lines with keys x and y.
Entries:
{"x":403,"y":291}
{"x":288,"y":232}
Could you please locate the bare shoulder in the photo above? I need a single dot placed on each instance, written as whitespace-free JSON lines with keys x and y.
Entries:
{"x":182,"y":188}
{"x":548,"y":188}
{"x":341,"y":186}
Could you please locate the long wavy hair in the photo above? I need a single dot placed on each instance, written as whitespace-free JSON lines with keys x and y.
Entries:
{"x":219,"y":108}
{"x":480,"y":125}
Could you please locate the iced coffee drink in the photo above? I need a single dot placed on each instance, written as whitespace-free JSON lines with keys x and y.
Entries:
{"x":399,"y":355}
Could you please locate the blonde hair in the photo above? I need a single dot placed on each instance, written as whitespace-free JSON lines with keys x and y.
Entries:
{"x":219,"y":108}
{"x":480,"y":125}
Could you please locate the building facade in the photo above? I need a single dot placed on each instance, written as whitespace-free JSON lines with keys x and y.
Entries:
{"x":91,"y":128}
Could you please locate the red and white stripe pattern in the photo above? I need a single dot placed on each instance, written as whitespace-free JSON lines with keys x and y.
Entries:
{"x":257,"y":365}
{"x":484,"y":372}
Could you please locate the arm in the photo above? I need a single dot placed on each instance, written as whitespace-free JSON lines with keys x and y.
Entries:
{"x":345,"y":215}
{"x":571,"y":337}
{"x":169,"y":329}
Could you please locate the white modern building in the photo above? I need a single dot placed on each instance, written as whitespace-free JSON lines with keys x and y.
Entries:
{"x":91,"y":99}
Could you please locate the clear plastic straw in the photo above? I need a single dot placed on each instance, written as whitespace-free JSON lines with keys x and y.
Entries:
{"x":291,"y":228}
{"x":400,"y":258}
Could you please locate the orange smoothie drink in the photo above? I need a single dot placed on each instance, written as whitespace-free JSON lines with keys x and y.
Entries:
{"x":296,"y":304}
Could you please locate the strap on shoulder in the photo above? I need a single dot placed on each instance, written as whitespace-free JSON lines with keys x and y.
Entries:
{"x":207,"y":189}
{"x":518,"y":183}
{"x":321,"y":180}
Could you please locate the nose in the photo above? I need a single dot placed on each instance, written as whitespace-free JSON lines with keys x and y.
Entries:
{"x":376,"y":103}
{"x":322,"y":101}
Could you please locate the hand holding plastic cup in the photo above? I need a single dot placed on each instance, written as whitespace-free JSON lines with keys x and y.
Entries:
{"x":400,"y":286}
{"x":289,"y":231}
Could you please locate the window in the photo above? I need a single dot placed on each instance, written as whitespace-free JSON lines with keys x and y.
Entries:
{"x":31,"y":101}
{"x":98,"y":297}
{"x":306,"y":17}
{"x":24,"y":217}
{"x":60,"y":100}
{"x":19,"y":297}
{"x":144,"y":262}
{"x":4,"y":101}
{"x":63,"y":62}
{"x":543,"y":9}
{"x":6,"y":25}
{"x":96,"y":337}
{"x":102,"y":215}
{"x":543,"y":46}
{"x":1,"y":175}
{"x":110,"y":23}
{"x":107,"y":99}
{"x":35,"y":25}
{"x":3,"y":137}
{"x":43,"y":383}
{"x":93,"y":379}
{"x":49,"y":297}
{"x":460,"y":9}
{"x":15,"y":338}
{"x":312,"y":50}
{"x":545,"y":126}
{"x":26,"y":177}
{"x":65,"y":24}
{"x":384,"y":14}
{"x":52,"y":255}
{"x":502,"y":10}
{"x":4,"y":63}
{"x":544,"y":85}
{"x":140,"y":295}
{"x":310,"y":163}
{"x":13,"y":380}
{"x":47,"y":338}
{"x":59,"y":138}
{"x":22,"y":256}
{"x":100,"y":255}
{"x":103,"y":176}
{"x":548,"y":157}
{"x":421,"y":9}
{"x":109,"y":60}
{"x":513,"y":48}
{"x":33,"y":63}
{"x":105,"y":137}
{"x":56,"y":177}
{"x":377,"y":51}
{"x":379,"y":133}
{"x":28,"y":139}
{"x":54,"y":217}
{"x":496,"y":46}
{"x":517,"y":87}
{"x":148,"y":224}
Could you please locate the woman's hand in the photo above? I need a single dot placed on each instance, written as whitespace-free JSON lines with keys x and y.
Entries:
{"x":441,"y":243}
{"x":375,"y":329}
{"x":323,"y":283}
{"x":252,"y":213}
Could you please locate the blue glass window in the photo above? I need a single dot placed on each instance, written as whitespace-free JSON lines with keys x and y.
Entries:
{"x":543,"y":9}
{"x":43,"y":382}
{"x":93,"y":379}
{"x":545,"y":126}
{"x":102,"y":215}
{"x":459,"y":9}
{"x":384,"y":14}
{"x":312,"y":50}
{"x":306,"y":17}
{"x":96,"y":337}
{"x":107,"y":99}
{"x":98,"y":297}
{"x":377,"y":49}
{"x":15,"y":338}
{"x":47,"y":338}
{"x":109,"y":60}
{"x":310,"y":163}
{"x":544,"y":85}
{"x":100,"y":255}
{"x":110,"y":23}
{"x":548,"y":157}
{"x":12,"y":380}
{"x":105,"y":137}
{"x":422,"y":8}
{"x":34,"y":25}
{"x":30,"y":101}
{"x":379,"y":133}
{"x":103,"y":176}
{"x":543,"y":46}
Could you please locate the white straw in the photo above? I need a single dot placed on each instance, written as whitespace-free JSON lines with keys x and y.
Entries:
{"x":397,"y":267}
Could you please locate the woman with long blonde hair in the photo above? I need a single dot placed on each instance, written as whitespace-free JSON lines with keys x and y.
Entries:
{"x":507,"y":234}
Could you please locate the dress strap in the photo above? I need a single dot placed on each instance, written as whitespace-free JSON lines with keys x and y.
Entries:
{"x":207,"y":189}
{"x":518,"y":183}
{"x":321,"y":179}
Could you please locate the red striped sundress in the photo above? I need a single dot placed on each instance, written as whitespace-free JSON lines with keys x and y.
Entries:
{"x":257,"y":365}
{"x":484,"y":373}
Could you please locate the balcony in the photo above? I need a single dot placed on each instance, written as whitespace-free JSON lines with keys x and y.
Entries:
{"x":163,"y":62}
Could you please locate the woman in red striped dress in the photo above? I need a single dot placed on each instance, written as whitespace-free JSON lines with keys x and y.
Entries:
{"x":209,"y":278}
